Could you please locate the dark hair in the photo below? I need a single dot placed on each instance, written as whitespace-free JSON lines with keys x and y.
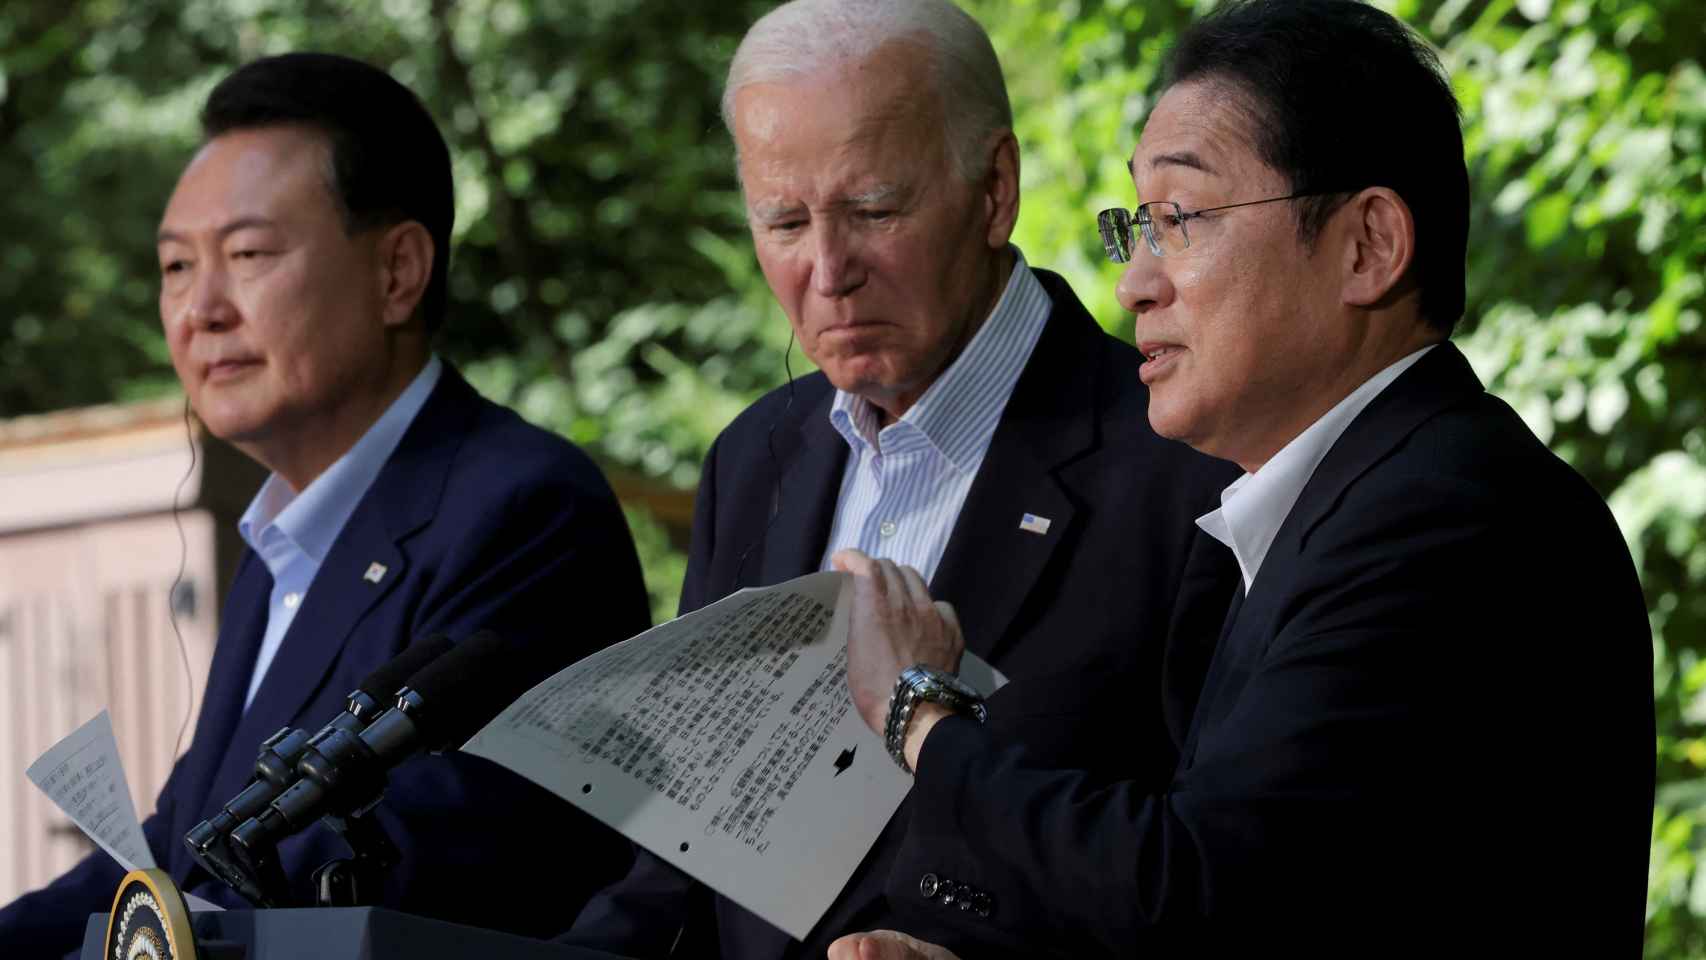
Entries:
{"x":389,"y":163}
{"x":1341,"y":96}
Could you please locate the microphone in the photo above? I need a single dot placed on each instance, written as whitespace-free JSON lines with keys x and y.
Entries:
{"x":343,"y":772}
{"x":275,"y":768}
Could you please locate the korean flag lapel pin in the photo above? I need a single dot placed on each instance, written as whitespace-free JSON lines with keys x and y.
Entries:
{"x":375,"y":572}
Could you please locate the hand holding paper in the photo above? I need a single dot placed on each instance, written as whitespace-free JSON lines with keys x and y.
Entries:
{"x":893,"y":624}
{"x":83,"y":775}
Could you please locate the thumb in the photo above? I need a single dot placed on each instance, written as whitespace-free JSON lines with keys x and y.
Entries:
{"x":851,"y":561}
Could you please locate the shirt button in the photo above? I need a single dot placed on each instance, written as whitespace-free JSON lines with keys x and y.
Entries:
{"x":928,"y":886}
{"x":291,"y":600}
{"x":888,"y":528}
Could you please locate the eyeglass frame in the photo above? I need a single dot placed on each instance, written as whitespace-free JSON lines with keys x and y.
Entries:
{"x":1139,"y":217}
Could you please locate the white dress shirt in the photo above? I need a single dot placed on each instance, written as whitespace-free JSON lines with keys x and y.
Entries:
{"x":1254,"y":506}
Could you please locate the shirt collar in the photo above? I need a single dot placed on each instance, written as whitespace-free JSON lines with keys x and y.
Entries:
{"x":1254,"y":506}
{"x":313,"y":518}
{"x":958,"y":413}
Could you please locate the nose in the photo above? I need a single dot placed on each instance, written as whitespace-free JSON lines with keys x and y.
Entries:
{"x":1144,"y":284}
{"x":836,"y":267}
{"x":206,"y":304}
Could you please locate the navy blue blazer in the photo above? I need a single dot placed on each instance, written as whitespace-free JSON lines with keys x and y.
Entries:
{"x":481,"y":521}
{"x":1427,"y":730}
{"x":1098,"y":593}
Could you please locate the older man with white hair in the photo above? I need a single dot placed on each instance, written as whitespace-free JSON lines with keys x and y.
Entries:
{"x":970,"y":421}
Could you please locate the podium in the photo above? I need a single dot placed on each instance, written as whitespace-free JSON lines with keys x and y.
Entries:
{"x":353,"y":933}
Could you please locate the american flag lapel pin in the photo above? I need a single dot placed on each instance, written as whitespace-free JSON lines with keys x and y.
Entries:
{"x":376,"y":571}
{"x":1031,"y":523}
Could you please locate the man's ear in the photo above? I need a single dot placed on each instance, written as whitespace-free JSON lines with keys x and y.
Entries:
{"x":1001,"y":190}
{"x":405,"y":268}
{"x":1378,"y":246}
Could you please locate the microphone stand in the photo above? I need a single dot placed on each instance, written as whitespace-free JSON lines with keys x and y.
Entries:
{"x":356,"y":881}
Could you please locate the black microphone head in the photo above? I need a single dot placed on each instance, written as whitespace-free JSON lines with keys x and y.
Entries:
{"x":463,"y":690}
{"x":381,"y":685}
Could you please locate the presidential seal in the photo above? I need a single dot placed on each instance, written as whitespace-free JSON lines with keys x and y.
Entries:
{"x":149,"y":920}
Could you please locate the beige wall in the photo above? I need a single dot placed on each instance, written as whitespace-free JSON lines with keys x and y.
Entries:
{"x":89,"y":549}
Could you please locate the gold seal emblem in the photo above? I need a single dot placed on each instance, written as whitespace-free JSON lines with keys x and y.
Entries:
{"x":149,"y":920}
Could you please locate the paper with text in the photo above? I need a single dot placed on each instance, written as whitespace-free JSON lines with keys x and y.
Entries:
{"x":83,"y":775}
{"x":726,"y":743}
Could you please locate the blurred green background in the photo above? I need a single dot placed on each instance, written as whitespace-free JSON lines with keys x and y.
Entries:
{"x":603,"y":283}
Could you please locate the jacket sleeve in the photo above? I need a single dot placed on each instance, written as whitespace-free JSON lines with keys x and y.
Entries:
{"x":1373,"y":772}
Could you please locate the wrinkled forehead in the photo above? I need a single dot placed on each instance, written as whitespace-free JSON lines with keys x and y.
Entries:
{"x":838,"y":147}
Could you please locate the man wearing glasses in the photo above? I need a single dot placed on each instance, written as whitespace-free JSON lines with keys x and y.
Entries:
{"x":1427,"y":726}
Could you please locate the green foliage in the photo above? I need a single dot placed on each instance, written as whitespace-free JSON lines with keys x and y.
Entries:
{"x":603,"y":282}
{"x":1584,"y":125}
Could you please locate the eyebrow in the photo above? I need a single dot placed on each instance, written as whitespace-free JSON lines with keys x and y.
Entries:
{"x":241,"y":223}
{"x":1183,"y":158}
{"x":769,"y":213}
{"x":878,"y":195}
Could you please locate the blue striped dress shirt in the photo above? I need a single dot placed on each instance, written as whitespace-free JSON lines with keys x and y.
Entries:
{"x":904,"y":484}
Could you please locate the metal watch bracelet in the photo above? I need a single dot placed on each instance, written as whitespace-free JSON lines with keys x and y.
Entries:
{"x":918,"y":684}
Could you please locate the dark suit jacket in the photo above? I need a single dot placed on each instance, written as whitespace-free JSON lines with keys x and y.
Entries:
{"x":482,"y":521}
{"x":1095,"y":594}
{"x":1428,"y":730}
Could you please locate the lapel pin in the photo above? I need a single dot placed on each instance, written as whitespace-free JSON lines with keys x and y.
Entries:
{"x":1031,"y":523}
{"x":376,"y":571}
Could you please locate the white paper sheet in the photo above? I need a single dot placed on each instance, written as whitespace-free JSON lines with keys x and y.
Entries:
{"x":726,"y":743}
{"x":83,"y":775}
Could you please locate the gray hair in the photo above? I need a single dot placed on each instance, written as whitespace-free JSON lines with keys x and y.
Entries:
{"x":804,"y":37}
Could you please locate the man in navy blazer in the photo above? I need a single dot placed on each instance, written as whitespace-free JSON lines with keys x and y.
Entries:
{"x":969,"y":413}
{"x":1427,"y":727}
{"x":303,"y":261}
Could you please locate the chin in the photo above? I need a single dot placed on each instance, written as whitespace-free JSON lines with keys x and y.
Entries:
{"x":1169,"y":423}
{"x":229,"y":425}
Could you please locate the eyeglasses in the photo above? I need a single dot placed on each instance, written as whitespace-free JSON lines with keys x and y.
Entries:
{"x":1162,"y":224}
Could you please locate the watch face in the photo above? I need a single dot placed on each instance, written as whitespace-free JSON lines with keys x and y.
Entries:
{"x":933,"y":684}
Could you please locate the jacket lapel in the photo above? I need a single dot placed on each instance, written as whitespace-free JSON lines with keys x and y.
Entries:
{"x":244,"y":622}
{"x":812,"y":457}
{"x":1437,"y":381}
{"x":403,"y":498}
{"x":991,"y":563}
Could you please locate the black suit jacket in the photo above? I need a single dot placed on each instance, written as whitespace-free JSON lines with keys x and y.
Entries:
{"x":481,"y":521}
{"x":1096,"y":594}
{"x":1428,"y":730}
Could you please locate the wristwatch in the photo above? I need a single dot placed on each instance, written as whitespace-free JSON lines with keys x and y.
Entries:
{"x":917,"y":684}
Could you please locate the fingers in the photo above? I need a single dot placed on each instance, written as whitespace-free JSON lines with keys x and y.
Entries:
{"x":916,"y":589}
{"x":946,"y":610}
{"x":856,"y":562}
{"x":886,"y":945}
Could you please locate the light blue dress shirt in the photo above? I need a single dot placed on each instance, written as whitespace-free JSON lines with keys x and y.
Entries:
{"x":292,"y":532}
{"x":904,"y":485}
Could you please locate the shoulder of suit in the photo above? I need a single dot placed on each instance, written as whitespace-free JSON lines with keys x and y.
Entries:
{"x":780,"y":406}
{"x":1478,"y":455}
{"x":499,"y":440}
